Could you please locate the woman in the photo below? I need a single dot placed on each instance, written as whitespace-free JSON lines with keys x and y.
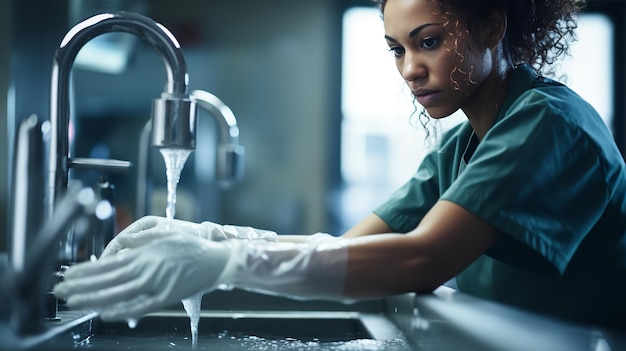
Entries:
{"x":524,"y":204}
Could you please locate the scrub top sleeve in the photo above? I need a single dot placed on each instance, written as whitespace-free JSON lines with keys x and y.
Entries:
{"x":406,"y":207}
{"x":536,"y":176}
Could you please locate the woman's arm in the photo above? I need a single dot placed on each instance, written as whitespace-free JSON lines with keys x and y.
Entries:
{"x":447,"y":240}
{"x":372,"y":224}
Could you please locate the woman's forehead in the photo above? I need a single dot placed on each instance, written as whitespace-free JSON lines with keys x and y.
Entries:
{"x":403,"y":16}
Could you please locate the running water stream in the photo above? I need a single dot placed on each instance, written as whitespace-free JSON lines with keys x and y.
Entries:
{"x":174,"y":162}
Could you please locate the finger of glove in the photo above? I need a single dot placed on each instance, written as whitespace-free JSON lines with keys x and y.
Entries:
{"x":80,"y":283}
{"x":133,"y":240}
{"x":123,"y":238}
{"x":91,"y":268}
{"x":149,"y":222}
{"x":130,"y":309}
{"x":106,"y":297}
{"x":91,"y":284}
{"x":143,"y":223}
{"x":112,"y":249}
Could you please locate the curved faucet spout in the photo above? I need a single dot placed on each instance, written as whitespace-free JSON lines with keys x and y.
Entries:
{"x":147,"y":29}
{"x":158,"y":36}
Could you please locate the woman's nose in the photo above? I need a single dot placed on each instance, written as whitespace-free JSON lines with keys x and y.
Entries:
{"x":412,"y":68}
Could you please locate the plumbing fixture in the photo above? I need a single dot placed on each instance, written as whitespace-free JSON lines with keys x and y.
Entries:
{"x":28,"y":278}
{"x":173,"y":109}
{"x":230,"y":154}
{"x":173,"y":114}
{"x":24,"y":291}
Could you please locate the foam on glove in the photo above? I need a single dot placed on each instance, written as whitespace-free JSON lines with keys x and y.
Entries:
{"x":226,"y":232}
{"x":140,"y":233}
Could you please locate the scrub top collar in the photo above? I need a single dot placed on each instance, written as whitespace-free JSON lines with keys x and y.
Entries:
{"x":523,"y":78}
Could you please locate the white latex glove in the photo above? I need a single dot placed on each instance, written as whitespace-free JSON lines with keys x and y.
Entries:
{"x":174,"y":266}
{"x":140,"y":280}
{"x":131,"y":236}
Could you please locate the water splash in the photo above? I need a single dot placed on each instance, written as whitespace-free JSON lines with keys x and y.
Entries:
{"x":174,"y":162}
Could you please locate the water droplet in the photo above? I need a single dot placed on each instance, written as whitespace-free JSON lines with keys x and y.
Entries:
{"x":132,"y":323}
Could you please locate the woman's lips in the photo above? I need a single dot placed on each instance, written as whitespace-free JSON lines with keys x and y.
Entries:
{"x":425,"y":97}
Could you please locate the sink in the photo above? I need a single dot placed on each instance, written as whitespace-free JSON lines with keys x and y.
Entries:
{"x":444,"y":320}
{"x":254,"y":330}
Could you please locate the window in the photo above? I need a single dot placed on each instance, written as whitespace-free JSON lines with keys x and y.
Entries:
{"x":589,"y":68}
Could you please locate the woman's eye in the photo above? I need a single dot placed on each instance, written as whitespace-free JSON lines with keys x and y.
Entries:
{"x":397,"y":51}
{"x":430,"y":43}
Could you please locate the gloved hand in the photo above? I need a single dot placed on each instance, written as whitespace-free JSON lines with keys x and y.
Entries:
{"x":168,"y":266}
{"x":131,"y":235}
{"x":168,"y":269}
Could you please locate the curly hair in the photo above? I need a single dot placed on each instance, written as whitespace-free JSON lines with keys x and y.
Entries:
{"x":538,"y":31}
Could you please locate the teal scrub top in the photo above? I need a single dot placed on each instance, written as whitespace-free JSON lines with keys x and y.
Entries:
{"x":548,"y":175}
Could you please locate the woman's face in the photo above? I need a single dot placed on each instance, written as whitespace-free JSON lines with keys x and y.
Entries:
{"x":440,"y":63}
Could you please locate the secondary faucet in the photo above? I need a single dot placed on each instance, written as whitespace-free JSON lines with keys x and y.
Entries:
{"x":229,"y":163}
{"x":23,"y":289}
{"x":229,"y":153}
{"x":27,"y":277}
{"x":173,"y":114}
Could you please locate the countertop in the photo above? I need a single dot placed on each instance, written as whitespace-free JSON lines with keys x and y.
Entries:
{"x":450,"y":320}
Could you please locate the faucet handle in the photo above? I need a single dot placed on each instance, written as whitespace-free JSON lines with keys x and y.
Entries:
{"x":100,"y":164}
{"x":75,"y":210}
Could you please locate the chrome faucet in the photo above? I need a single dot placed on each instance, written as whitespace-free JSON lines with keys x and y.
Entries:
{"x":24,"y":290}
{"x":230,"y":154}
{"x":28,"y":276}
{"x":173,"y":114}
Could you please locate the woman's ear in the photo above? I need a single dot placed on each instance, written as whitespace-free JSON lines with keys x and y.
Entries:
{"x":495,"y":27}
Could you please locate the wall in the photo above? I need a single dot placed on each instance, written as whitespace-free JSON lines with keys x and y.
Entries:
{"x":280,"y":62}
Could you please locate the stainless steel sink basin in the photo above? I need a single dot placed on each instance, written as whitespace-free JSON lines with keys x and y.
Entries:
{"x":255,"y":330}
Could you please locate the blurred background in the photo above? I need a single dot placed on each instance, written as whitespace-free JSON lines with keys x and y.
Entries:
{"x":323,"y":115}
